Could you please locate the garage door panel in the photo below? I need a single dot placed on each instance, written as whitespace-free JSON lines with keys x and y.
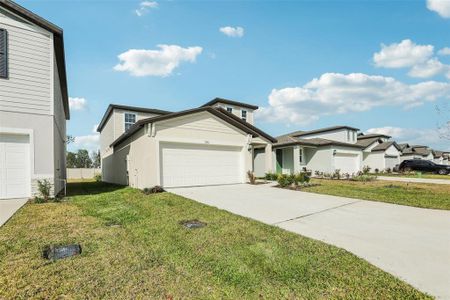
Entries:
{"x":190,"y":165}
{"x":346,"y":163}
{"x":14,"y":166}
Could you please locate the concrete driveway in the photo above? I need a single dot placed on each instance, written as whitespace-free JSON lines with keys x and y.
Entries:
{"x":410,"y":243}
{"x":9,"y":207}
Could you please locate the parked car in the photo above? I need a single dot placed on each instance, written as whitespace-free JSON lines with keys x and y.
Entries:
{"x":423,"y":166}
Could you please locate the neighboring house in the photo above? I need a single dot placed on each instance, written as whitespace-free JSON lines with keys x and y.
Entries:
{"x":324,"y":150}
{"x":379,"y":153}
{"x":417,"y":152}
{"x":201,"y":146}
{"x":441,"y":157}
{"x":33,"y":102}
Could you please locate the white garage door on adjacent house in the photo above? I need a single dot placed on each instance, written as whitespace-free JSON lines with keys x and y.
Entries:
{"x":346,"y":163}
{"x":14,"y":166}
{"x":391,"y":161}
{"x":196,"y":165}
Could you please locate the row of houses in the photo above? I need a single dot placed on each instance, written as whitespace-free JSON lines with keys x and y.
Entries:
{"x":216,"y":143}
{"x":342,"y":148}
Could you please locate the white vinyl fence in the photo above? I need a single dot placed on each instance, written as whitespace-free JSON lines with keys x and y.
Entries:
{"x":82,"y":173}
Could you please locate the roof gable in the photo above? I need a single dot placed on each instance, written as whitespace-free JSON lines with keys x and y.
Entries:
{"x":230,"y":102}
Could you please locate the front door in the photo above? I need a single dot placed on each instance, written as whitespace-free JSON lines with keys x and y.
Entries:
{"x":279,"y":163}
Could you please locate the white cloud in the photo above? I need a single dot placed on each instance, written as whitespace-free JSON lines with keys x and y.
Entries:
{"x":232,"y":31}
{"x":442,"y":7}
{"x":444,"y":51}
{"x":427,"y":137}
{"x":419,"y":58}
{"x":77,"y":103}
{"x":428,"y":69}
{"x":160,"y":62}
{"x":403,"y":54}
{"x":89,"y":142}
{"x":144,"y":7}
{"x":335,"y":93}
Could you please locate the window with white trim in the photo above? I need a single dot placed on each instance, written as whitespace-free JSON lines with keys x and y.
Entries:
{"x":348,"y":135}
{"x":130,"y":119}
{"x":229,"y":109}
{"x":301,"y":156}
{"x":244,"y":115}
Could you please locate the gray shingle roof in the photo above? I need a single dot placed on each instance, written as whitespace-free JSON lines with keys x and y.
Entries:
{"x":372,"y":135}
{"x":333,"y":128}
{"x":367,"y":142}
{"x":384,"y":146}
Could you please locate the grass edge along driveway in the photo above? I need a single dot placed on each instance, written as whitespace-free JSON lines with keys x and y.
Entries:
{"x":436,"y":196}
{"x":134,"y":247}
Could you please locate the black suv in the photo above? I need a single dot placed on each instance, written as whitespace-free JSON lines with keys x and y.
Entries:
{"x":423,"y":166}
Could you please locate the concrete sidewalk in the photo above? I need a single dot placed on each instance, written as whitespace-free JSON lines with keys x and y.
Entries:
{"x":415,"y":180}
{"x":410,"y":243}
{"x":9,"y":207}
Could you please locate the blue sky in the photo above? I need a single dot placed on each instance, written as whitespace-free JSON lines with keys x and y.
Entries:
{"x":376,"y":65}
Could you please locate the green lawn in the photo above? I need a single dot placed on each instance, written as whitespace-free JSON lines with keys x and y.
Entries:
{"x":147,"y":254}
{"x":404,"y":193}
{"x":416,"y":175}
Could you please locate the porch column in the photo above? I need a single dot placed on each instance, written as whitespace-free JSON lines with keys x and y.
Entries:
{"x":296,"y":154}
{"x":268,"y":158}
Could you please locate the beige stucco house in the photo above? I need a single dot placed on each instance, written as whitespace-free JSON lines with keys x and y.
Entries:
{"x":209,"y":145}
{"x":324,"y":150}
{"x":33,"y":102}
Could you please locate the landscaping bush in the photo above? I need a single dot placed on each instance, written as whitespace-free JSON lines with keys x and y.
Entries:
{"x":153,"y":190}
{"x":44,"y":188}
{"x":336,"y":174}
{"x":251,"y":177}
{"x":98,"y":177}
{"x":366,"y":170}
{"x":285,"y":180}
{"x":271,"y":176}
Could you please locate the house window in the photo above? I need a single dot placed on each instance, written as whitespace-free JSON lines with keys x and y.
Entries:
{"x":130,"y":119}
{"x":244,"y":115}
{"x":301,"y":156}
{"x":3,"y":53}
{"x":229,"y":109}
{"x":354,"y":136}
{"x":348,"y":135}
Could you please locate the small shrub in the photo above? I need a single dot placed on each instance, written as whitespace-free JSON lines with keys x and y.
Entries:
{"x":271,"y":176}
{"x":39,"y":200}
{"x":44,"y":188}
{"x":377,"y":171}
{"x":317,"y":173}
{"x":346,"y":176}
{"x":285,"y":180}
{"x":251,"y":177}
{"x":336,"y":174}
{"x":153,"y":190}
{"x":98,"y":177}
{"x":366,"y":170}
{"x":388,"y":170}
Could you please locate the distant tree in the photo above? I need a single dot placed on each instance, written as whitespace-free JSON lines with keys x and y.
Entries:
{"x":95,"y":156}
{"x":83,"y":159}
{"x":71,"y":161}
{"x":70,"y":139}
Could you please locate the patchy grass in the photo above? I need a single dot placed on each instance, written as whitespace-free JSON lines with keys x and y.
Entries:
{"x":423,"y":175}
{"x":148,"y":254}
{"x":404,"y":193}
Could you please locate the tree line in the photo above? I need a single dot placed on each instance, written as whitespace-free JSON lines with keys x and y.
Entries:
{"x":82,"y":159}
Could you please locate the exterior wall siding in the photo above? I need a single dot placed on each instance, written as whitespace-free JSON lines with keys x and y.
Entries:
{"x":30,"y":58}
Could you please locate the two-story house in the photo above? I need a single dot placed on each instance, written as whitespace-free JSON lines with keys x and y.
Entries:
{"x":325,"y":150}
{"x":211,"y":144}
{"x":33,"y":102}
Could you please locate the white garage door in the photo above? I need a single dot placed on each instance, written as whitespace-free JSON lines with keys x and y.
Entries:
{"x":347,"y":163}
{"x":391,"y":161}
{"x":194,"y":165}
{"x":14,"y":166}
